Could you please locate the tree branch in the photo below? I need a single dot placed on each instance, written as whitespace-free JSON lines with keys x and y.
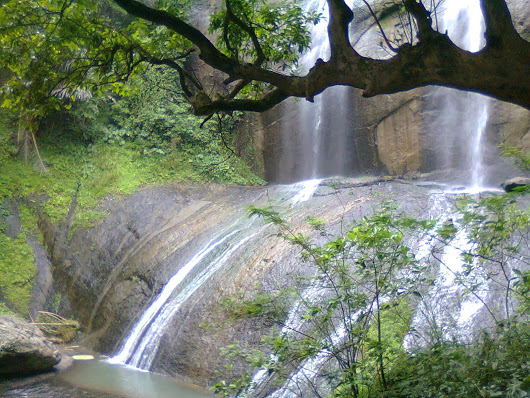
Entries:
{"x":260,"y":56}
{"x":499,"y":26}
{"x":501,"y":70}
{"x":202,"y":105}
{"x":208,"y":52}
{"x":340,"y":16}
{"x":423,"y":18}
{"x":380,"y":27}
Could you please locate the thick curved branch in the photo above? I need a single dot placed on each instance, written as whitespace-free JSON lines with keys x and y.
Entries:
{"x":501,"y":71}
{"x":202,"y":105}
{"x":208,"y":52}
{"x":237,"y":89}
{"x":340,"y":16}
{"x":184,"y":76}
{"x":499,"y":26}
{"x":229,"y":47}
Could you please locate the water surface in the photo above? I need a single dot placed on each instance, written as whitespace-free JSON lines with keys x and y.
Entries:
{"x":99,"y":379}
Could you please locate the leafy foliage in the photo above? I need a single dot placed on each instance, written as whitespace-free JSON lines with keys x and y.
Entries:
{"x":72,"y":50}
{"x":108,"y":146}
{"x":262,"y":305}
{"x":364,"y":278}
{"x":352,"y":318}
{"x":496,"y":365}
{"x":281,"y":29}
{"x":500,"y":232}
{"x":520,"y":156}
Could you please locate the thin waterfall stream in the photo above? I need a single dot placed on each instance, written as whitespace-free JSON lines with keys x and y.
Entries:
{"x":140,"y":347}
{"x":463,"y":118}
{"x":322,"y":147}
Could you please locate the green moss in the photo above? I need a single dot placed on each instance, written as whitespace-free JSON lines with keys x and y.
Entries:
{"x":521,"y":157}
{"x":105,"y":147}
{"x":29,"y":221}
{"x":495,"y":365}
{"x":4,"y":309}
{"x":17,"y":272}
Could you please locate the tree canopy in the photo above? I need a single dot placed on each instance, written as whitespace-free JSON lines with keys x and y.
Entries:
{"x":73,"y":49}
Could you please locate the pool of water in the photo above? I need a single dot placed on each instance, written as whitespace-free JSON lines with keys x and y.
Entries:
{"x":99,"y":379}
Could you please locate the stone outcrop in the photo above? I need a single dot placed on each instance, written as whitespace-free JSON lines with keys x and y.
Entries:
{"x":517,"y":182}
{"x":24,"y":349}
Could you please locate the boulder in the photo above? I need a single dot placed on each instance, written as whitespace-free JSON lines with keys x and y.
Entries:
{"x":512,"y":183}
{"x":24,"y":349}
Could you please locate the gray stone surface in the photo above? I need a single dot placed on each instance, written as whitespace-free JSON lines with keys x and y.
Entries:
{"x":24,"y":349}
{"x":516,"y":182}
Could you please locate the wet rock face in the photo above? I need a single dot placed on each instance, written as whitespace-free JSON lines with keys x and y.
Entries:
{"x":108,"y":274}
{"x":24,"y":349}
{"x":518,"y":182}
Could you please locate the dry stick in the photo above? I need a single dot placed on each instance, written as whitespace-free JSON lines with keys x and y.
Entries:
{"x":380,"y":27}
{"x":43,"y":167}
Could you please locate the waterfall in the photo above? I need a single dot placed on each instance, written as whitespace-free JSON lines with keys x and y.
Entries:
{"x":306,"y":190}
{"x":317,"y":143}
{"x":462,"y":117}
{"x":312,"y":114}
{"x":431,"y":316}
{"x":293,"y":323}
{"x":304,"y":377}
{"x":141,"y":345}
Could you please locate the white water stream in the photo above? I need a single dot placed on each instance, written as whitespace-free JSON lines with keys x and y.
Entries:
{"x":318,"y":143}
{"x":140,"y":347}
{"x":463,"y":119}
{"x":446,"y":290}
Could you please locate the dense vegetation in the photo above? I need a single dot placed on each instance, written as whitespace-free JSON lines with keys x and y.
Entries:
{"x":353,"y":317}
{"x":92,"y":109}
{"x":103,"y":146}
{"x":66,"y":47}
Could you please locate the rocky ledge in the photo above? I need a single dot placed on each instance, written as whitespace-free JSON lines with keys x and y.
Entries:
{"x":517,"y":182}
{"x":24,"y":349}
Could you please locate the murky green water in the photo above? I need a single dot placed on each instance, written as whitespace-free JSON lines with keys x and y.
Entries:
{"x":98,"y":379}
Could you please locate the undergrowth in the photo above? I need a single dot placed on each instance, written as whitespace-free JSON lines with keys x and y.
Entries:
{"x":101,"y":148}
{"x":17,"y":273}
{"x":496,"y":365}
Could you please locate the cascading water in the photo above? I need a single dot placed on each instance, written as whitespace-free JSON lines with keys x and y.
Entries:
{"x":140,"y":347}
{"x":322,"y":147}
{"x":468,"y":122}
{"x":432,"y":320}
{"x":462,"y":118}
